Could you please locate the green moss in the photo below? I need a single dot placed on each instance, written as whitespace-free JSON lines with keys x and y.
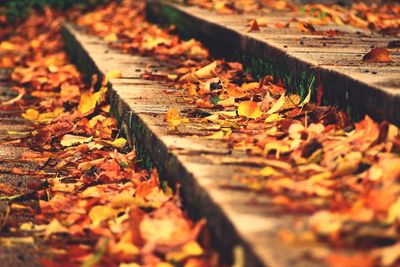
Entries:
{"x":298,"y":82}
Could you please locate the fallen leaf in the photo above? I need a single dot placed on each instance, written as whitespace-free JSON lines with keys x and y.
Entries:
{"x":113,"y":74}
{"x":118,"y":143}
{"x":189,"y":249}
{"x":356,"y":260}
{"x":249,"y":109}
{"x":112,"y":37}
{"x":253,"y":27}
{"x":98,"y":214}
{"x":388,"y":255}
{"x":71,"y":140}
{"x":278,"y":105}
{"x":378,"y":55}
{"x":174,"y":119}
{"x":90,"y":100}
{"x":207,"y":71}
{"x":54,"y":227}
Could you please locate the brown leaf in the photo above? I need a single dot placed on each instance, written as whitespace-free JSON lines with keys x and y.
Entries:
{"x":254,"y":27}
{"x":378,"y":55}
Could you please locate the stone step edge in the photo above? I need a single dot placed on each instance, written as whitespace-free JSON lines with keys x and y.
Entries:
{"x":154,"y":150}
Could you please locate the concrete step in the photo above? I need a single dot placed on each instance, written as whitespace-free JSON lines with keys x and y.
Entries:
{"x":298,"y":58}
{"x":244,"y":225}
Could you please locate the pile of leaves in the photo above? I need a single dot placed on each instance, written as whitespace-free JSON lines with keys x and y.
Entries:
{"x":381,"y":16}
{"x":96,"y":206}
{"x":315,"y":161}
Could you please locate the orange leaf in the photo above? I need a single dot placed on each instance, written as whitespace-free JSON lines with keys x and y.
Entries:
{"x":357,"y":260}
{"x":249,"y":109}
{"x":378,"y":55}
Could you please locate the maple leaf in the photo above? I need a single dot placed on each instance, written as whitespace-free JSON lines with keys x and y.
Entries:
{"x":174,"y":119}
{"x":254,"y":27}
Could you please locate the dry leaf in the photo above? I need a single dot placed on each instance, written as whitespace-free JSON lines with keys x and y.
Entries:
{"x":278,"y":105}
{"x":72,"y":140}
{"x":249,"y":109}
{"x":254,"y":27}
{"x":378,"y":55}
{"x":207,"y":71}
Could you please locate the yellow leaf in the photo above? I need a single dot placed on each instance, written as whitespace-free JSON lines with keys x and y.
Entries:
{"x":98,"y":214}
{"x":217,"y":135}
{"x":172,"y":77}
{"x":7,"y":45}
{"x":54,"y":227}
{"x":113,"y":74}
{"x":325,"y":222}
{"x":190,"y":249}
{"x":52,"y":68}
{"x":122,"y":200}
{"x":249,"y":109}
{"x":394,"y":212}
{"x":112,"y":37}
{"x":227,"y":102}
{"x":308,"y":97}
{"x":389,"y":255}
{"x":173,"y":117}
{"x":125,"y":250}
{"x":278,"y":105}
{"x":250,"y":86}
{"x":320,"y":177}
{"x":89,"y":101}
{"x":164,"y":264}
{"x":31,"y":114}
{"x":71,"y":140}
{"x":34,"y":115}
{"x":273,"y":118}
{"x":93,"y":121}
{"x":207,"y":71}
{"x":92,"y":191}
{"x":268,"y":171}
{"x":49,"y":116}
{"x":118,"y":143}
{"x":12,"y":242}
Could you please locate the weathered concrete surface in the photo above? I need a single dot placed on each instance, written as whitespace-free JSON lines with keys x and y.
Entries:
{"x":240,"y":221}
{"x":300,"y":59}
{"x":16,"y":249}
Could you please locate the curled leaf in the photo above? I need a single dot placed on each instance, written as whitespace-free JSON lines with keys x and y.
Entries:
{"x":71,"y":140}
{"x":207,"y":71}
{"x":278,"y":105}
{"x":378,"y":55}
